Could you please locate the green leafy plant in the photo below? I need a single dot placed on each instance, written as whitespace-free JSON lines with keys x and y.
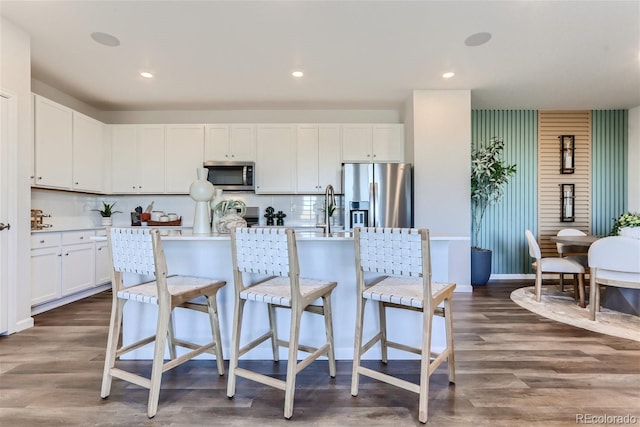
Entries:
{"x":227,"y":207}
{"x":489,"y":175}
{"x":625,"y":220}
{"x":107,"y":209}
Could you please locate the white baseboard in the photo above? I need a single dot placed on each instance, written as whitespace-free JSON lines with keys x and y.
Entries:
{"x":24,"y":324}
{"x":68,"y":299}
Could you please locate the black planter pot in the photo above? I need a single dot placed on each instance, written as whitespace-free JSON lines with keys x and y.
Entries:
{"x":480,"y":266}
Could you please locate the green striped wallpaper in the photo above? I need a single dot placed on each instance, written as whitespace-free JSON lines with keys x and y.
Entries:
{"x":504,"y":224}
{"x":609,"y":139}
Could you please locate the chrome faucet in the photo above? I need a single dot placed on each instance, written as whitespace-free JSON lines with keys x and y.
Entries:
{"x":329,"y":207}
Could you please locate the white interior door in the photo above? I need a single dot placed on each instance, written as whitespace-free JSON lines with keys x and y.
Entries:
{"x":4,"y":215}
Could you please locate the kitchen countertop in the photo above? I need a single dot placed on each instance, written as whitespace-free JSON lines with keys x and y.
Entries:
{"x":186,"y":234}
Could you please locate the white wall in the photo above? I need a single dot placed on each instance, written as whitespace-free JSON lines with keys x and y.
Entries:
{"x":633,"y":177}
{"x":60,"y":97}
{"x":15,"y":78}
{"x":441,"y":151}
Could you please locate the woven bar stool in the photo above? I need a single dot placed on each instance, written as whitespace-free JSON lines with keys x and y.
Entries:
{"x":140,"y":251}
{"x":403,"y":257}
{"x":272,"y":252}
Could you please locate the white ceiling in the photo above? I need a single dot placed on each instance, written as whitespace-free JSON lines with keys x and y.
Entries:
{"x":355,"y":54}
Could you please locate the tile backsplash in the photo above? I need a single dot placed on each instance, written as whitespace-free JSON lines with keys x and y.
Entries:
{"x":69,"y":210}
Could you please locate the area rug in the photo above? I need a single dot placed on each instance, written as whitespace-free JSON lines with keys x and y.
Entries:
{"x":562,"y":307}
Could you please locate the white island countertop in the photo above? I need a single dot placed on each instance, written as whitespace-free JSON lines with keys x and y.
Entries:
{"x":187,"y":234}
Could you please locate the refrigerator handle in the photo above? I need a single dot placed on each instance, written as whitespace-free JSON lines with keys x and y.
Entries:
{"x":373,"y":205}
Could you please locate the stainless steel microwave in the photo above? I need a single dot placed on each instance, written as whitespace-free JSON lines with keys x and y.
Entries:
{"x":233,"y":176}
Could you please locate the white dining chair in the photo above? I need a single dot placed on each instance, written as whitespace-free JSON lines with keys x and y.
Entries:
{"x":554,"y":265}
{"x":403,"y":257}
{"x":139,"y":251}
{"x":577,"y":253}
{"x":613,"y":261}
{"x":272,"y":252}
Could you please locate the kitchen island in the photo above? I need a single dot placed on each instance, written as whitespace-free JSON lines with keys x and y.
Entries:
{"x":322,"y":256}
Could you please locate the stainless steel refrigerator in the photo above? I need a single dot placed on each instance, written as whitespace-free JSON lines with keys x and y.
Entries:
{"x":377,"y":195}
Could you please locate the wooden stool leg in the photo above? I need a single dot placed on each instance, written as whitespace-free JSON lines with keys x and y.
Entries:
{"x":425,"y":362}
{"x":235,"y":346}
{"x":274,"y":332}
{"x":357,"y":347}
{"x":164,"y":317}
{"x":292,"y":364}
{"x":212,"y":308}
{"x":448,"y":323}
{"x":328,"y":325}
{"x":383,"y":331}
{"x":171,"y":337}
{"x":115,"y":325}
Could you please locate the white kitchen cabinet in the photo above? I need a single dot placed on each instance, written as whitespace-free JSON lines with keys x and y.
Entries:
{"x":230,"y":143}
{"x":184,"y":153}
{"x":53,"y":144}
{"x":88,"y":153}
{"x":61,"y":264}
{"x":46,"y":267}
{"x":102,"y":263}
{"x":78,"y":265}
{"x":151,"y":159}
{"x":137,"y":159}
{"x":124,"y":159}
{"x":276,"y":158}
{"x":318,"y":158}
{"x":366,"y":143}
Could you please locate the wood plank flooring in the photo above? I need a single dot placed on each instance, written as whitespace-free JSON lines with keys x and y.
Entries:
{"x":513,"y":368}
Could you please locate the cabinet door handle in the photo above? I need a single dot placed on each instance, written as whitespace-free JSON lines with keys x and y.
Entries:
{"x":39,"y":177}
{"x":41,"y":241}
{"x":59,"y":254}
{"x":67,"y":254}
{"x":134,"y":187}
{"x":76,"y":183}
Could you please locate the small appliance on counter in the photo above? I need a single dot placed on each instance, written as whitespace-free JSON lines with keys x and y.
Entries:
{"x":36,"y":220}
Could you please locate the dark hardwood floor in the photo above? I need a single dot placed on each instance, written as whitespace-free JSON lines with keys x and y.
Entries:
{"x":513,"y":368}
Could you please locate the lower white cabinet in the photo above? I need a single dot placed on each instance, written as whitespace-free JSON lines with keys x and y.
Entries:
{"x":62,"y":264}
{"x":103,"y":263}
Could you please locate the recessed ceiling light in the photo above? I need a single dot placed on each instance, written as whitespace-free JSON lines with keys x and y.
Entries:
{"x":105,"y":39}
{"x":146,"y":75}
{"x":297,"y":74}
{"x":477,"y":39}
{"x":448,"y":75}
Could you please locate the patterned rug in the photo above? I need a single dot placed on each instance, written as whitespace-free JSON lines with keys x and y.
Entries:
{"x":562,"y":307}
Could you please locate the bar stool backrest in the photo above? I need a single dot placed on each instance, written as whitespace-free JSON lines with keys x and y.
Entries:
{"x":392,"y":251}
{"x":262,"y":250}
{"x":132,"y":251}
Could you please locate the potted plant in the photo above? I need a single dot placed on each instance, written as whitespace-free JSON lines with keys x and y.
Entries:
{"x":106,"y":212}
{"x":489,"y":175}
{"x":627,"y":224}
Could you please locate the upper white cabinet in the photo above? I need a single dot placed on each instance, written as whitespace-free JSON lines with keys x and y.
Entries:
{"x":276,"y":158}
{"x":88,"y":153}
{"x":184,"y":148}
{"x":53,"y":144}
{"x":318,"y":158}
{"x":124,"y":159}
{"x":372,"y":143}
{"x":69,"y":148}
{"x":138,"y":159}
{"x":230,"y":143}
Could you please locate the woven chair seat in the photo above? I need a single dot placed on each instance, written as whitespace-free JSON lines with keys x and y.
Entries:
{"x":176,"y":285}
{"x":405,"y":291}
{"x":278,"y":290}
